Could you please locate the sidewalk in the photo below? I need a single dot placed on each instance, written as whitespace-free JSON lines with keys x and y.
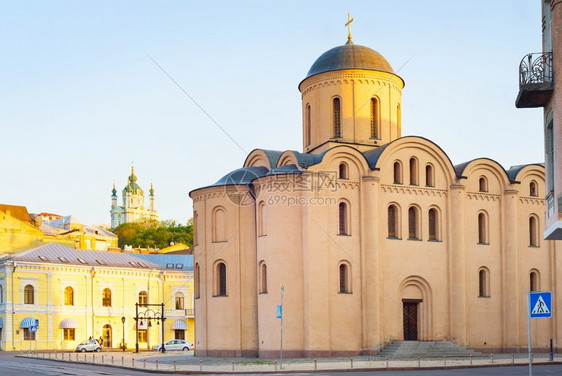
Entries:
{"x":180,"y":362}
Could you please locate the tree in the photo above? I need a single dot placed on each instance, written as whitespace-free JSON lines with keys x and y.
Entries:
{"x":148,"y":233}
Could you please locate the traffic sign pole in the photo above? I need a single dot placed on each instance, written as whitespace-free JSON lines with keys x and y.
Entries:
{"x":529,"y":331}
{"x":281,"y":352}
{"x":539,"y":305}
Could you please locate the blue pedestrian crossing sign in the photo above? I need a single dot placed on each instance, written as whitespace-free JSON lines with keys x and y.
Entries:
{"x":33,"y":329}
{"x":540,"y":304}
{"x":279,"y":312}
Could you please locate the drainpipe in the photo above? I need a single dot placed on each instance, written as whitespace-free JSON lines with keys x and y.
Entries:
{"x":13,"y":309}
{"x":163,"y":307}
{"x":251,"y":191}
{"x":93,"y":274}
{"x":148,"y":301}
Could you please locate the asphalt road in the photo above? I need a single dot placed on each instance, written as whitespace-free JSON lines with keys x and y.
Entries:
{"x":10,"y":365}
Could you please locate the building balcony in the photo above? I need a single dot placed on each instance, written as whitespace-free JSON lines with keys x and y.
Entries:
{"x":536,"y":82}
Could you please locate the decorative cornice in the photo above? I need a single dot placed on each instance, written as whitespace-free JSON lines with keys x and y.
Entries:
{"x":209,"y":193}
{"x":532,"y":201}
{"x":346,"y":184}
{"x":483,"y":196}
{"x":347,"y":76}
{"x":100,"y":270}
{"x":414,"y":190}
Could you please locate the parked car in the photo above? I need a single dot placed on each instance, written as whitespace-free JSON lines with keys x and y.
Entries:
{"x":175,"y":345}
{"x":89,"y":345}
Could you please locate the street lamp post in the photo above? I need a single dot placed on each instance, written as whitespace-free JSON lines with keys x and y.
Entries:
{"x":148,"y":315}
{"x":123,"y":321}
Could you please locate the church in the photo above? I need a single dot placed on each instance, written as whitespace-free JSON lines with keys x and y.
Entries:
{"x":375,"y":237}
{"x":133,"y":209}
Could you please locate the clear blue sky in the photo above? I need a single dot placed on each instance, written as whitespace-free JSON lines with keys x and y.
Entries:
{"x":80,"y":97}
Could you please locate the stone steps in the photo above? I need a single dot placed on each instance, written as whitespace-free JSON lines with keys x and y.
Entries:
{"x":426,"y":349}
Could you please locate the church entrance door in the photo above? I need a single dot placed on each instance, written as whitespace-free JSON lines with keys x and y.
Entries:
{"x":410,"y":320}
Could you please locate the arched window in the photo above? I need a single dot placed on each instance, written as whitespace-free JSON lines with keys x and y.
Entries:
{"x":68,"y":296}
{"x":533,"y":231}
{"x":308,"y":126}
{"x":483,"y":283}
{"x":345,"y":277}
{"x":413,"y":223}
{"x":482,"y":228}
{"x":343,"y":171}
{"x":399,"y":119}
{"x":433,"y":221}
{"x":429,"y":176}
{"x":392,"y":222}
{"x":483,"y":184}
{"x":261,"y":219}
{"x":28,"y":295}
{"x":397,"y":173}
{"x":534,"y":281}
{"x":374,"y":118}
{"x":106,"y":297}
{"x":263,"y":278}
{"x":219,"y":225}
{"x":343,"y":219}
{"x":337,"y":117}
{"x":220,"y":279}
{"x":533,"y":191}
{"x":180,"y":303}
{"x":143,"y":299}
{"x":197,"y":281}
{"x":195,"y":229}
{"x":413,"y":171}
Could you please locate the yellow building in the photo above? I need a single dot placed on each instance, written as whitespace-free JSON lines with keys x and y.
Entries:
{"x":18,"y":231}
{"x":74,"y":295}
{"x":376,"y":237}
{"x":71,"y":232}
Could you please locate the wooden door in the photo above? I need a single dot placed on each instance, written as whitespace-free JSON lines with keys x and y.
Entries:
{"x":410,"y":321}
{"x":107,"y":336}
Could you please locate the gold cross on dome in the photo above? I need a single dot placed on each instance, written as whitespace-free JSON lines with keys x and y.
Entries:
{"x":348,"y":24}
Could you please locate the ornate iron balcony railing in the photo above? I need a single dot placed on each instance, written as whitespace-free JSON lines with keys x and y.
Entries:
{"x":536,"y":68}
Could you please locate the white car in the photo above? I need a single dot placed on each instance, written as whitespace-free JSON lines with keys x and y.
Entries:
{"x":89,"y":345}
{"x":175,"y":345}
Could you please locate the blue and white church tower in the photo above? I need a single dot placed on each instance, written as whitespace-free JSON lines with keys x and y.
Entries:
{"x":133,"y":209}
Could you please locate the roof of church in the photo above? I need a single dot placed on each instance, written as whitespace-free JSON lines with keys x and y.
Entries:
{"x":132,"y":186}
{"x":243,"y":175}
{"x":514,"y":170}
{"x":373,"y":155}
{"x":511,"y":173}
{"x":306,"y":160}
{"x":283,"y":170}
{"x":350,"y":56}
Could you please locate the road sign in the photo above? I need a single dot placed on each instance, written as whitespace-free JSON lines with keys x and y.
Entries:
{"x":36,"y":323}
{"x":540,"y":304}
{"x":32,"y":329}
{"x":279,"y":312}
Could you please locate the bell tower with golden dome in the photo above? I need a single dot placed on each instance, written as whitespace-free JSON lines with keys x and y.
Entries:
{"x":350,"y":96}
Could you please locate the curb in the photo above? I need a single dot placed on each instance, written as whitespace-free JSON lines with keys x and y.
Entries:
{"x":331,"y":370}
